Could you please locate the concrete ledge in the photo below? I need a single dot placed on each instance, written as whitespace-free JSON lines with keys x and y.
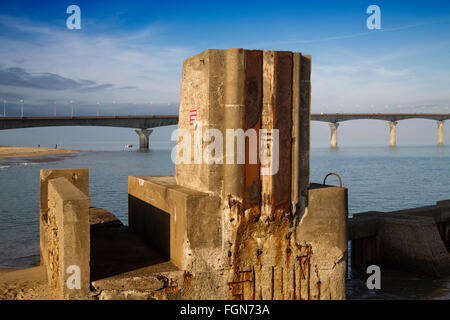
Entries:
{"x":443,"y":203}
{"x":439,"y":213}
{"x":165,"y":215}
{"x":363,"y":225}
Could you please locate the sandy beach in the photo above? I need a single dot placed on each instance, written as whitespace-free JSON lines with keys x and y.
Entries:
{"x":29,"y":152}
{"x":24,"y":284}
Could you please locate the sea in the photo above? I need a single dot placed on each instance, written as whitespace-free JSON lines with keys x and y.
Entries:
{"x":378,"y":178}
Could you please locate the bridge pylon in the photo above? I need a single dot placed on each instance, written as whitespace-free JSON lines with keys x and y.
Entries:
{"x":143,"y":138}
{"x":440,"y":124}
{"x":333,"y":135}
{"x":393,"y":133}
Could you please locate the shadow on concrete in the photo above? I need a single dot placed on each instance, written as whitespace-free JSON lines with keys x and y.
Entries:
{"x":115,"y":249}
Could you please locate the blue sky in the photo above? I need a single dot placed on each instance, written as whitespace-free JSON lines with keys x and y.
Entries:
{"x":131,"y":52}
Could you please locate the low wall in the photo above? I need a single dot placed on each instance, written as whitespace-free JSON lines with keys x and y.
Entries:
{"x":68,"y":236}
{"x":78,"y":177}
{"x":65,"y":231}
{"x":414,"y":240}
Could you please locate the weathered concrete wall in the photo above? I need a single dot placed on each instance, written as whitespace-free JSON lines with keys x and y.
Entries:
{"x":175,"y":219}
{"x":236,"y":231}
{"x":262,"y":260}
{"x":413,"y":244}
{"x":68,"y":236}
{"x":413,"y":239}
{"x":273,"y":259}
{"x":78,"y":177}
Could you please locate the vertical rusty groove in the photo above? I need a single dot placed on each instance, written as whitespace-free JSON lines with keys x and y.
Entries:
{"x":282,"y":121}
{"x":300,"y":284}
{"x":273,"y":283}
{"x":251,"y":187}
{"x":252,"y":120}
{"x":309,"y":281}
{"x":304,"y":128}
{"x":319,"y":285}
{"x":294,"y":296}
{"x":304,"y":263}
{"x":253,"y":283}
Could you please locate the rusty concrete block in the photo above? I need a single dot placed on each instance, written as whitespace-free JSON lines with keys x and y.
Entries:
{"x":253,"y":230}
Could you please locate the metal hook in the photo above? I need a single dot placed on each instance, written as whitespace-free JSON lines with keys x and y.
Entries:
{"x":333,"y":174}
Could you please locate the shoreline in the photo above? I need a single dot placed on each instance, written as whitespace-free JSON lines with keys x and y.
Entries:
{"x":16,"y":155}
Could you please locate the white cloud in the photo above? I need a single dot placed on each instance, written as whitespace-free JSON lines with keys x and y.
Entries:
{"x":390,"y":73}
{"x":123,"y":59}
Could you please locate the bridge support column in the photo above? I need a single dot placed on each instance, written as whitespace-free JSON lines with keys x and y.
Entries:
{"x":333,"y":138}
{"x":440,"y":125}
{"x":393,"y":133}
{"x":143,"y":138}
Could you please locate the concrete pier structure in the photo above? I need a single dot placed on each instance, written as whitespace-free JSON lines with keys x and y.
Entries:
{"x":253,"y":230}
{"x":440,"y":125}
{"x":393,"y":133}
{"x":333,"y":134}
{"x":414,"y":240}
{"x":143,"y":138}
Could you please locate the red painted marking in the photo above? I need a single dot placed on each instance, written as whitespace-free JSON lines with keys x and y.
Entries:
{"x":192,"y":116}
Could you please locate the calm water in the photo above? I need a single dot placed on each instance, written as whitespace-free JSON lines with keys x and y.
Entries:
{"x":378,"y":178}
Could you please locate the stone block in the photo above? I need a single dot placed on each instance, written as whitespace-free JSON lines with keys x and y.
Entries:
{"x":78,"y":177}
{"x":68,"y":236}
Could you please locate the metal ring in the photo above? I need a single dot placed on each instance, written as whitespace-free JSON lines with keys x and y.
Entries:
{"x":333,"y":174}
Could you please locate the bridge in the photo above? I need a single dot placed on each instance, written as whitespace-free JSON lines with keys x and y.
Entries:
{"x":334,"y":119}
{"x":143,"y":123}
{"x":140,"y":123}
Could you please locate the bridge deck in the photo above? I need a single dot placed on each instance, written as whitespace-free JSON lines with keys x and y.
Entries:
{"x":151,"y":121}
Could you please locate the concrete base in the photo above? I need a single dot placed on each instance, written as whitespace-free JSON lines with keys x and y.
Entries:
{"x":254,"y":259}
{"x":143,"y":138}
{"x":414,"y":240}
